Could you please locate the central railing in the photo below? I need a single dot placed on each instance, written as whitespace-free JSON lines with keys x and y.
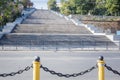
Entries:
{"x":60,"y":45}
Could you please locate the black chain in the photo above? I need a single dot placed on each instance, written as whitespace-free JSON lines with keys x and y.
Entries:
{"x":68,"y":75}
{"x":50,"y":71}
{"x":110,"y":69}
{"x":18,"y":72}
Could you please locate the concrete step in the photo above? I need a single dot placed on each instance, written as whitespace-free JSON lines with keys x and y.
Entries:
{"x":46,"y":21}
{"x":57,"y":41}
{"x":47,"y":37}
{"x":51,"y":29}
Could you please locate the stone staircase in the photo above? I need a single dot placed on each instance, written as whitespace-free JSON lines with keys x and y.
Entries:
{"x":45,"y":29}
{"x":51,"y":29}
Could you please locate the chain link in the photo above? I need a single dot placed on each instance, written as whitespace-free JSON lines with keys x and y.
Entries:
{"x":50,"y":71}
{"x":68,"y":75}
{"x":57,"y":73}
{"x":18,"y":72}
{"x":110,"y":69}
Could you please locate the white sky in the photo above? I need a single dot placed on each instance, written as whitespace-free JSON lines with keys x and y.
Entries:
{"x":41,"y":3}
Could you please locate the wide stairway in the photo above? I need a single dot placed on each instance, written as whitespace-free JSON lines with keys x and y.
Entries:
{"x":44,"y":30}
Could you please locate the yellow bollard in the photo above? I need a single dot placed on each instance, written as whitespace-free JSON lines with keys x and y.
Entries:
{"x":36,"y":69}
{"x":101,"y":72}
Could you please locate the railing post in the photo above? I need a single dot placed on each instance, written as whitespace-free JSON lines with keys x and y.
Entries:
{"x":36,"y":69}
{"x":94,"y":45}
{"x":106,"y":45}
{"x":56,"y":45}
{"x":30,"y":44}
{"x":2,"y":46}
{"x":16,"y":45}
{"x":119,"y":44}
{"x":43,"y":44}
{"x":101,"y":68}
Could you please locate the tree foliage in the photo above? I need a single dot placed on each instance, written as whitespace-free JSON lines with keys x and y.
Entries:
{"x":10,"y":10}
{"x":24,"y":2}
{"x":65,"y":9}
{"x":52,"y":5}
{"x":113,"y":7}
{"x":95,"y":7}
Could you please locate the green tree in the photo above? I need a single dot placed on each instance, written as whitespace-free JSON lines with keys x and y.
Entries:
{"x":62,"y":1}
{"x":113,"y":7}
{"x":85,"y":6}
{"x":8,"y":11}
{"x":100,"y":8}
{"x":65,"y":9}
{"x":52,"y":5}
{"x":25,"y":3}
{"x":78,"y":6}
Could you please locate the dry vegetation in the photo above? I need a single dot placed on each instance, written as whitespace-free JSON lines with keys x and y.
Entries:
{"x":112,"y":25}
{"x":104,"y":22}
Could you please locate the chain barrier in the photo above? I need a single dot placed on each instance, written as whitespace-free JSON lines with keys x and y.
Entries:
{"x":50,"y":71}
{"x":112,"y":70}
{"x":68,"y":75}
{"x":59,"y":74}
{"x":18,"y":72}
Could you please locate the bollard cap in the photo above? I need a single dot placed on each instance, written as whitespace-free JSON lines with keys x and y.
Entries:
{"x":37,"y":58}
{"x":101,"y":58}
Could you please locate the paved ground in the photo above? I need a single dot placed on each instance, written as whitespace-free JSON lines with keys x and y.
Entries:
{"x":65,"y":62}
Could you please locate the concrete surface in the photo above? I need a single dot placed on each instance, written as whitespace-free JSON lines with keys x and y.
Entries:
{"x":63,"y":61}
